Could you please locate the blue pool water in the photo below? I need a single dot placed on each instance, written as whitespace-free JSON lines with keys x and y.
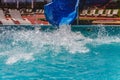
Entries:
{"x":80,"y":53}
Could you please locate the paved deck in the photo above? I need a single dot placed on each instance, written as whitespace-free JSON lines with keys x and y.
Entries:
{"x":98,"y":18}
{"x":102,"y":20}
{"x":35,"y":19}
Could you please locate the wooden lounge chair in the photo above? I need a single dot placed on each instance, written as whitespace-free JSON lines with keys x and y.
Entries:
{"x":92,"y":12}
{"x":114,"y":13}
{"x":84,"y":13}
{"x":29,"y":11}
{"x":100,"y":12}
{"x":107,"y":12}
{"x":41,"y":11}
{"x":37,"y":11}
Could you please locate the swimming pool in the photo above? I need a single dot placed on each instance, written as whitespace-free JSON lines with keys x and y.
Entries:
{"x":76,"y":53}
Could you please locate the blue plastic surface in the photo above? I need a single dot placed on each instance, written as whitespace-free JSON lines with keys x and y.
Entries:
{"x":64,"y":12}
{"x":60,"y":12}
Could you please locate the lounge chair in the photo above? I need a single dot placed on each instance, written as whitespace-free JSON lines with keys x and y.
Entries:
{"x":3,"y":19}
{"x":92,"y":12}
{"x":16,"y":16}
{"x":30,"y":10}
{"x":114,"y":13}
{"x":37,"y":11}
{"x":27,"y":10}
{"x":100,"y":12}
{"x":84,"y":13}
{"x":107,"y":12}
{"x":41,"y":11}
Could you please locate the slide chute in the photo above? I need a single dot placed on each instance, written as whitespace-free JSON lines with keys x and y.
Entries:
{"x":64,"y":12}
{"x":60,"y":12}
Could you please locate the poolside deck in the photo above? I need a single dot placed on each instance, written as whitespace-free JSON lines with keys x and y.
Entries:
{"x":40,"y":19}
{"x":102,"y":20}
{"x":36,"y":19}
{"x":95,"y":20}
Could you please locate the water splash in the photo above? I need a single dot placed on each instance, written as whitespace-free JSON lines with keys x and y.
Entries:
{"x":63,"y":37}
{"x":102,"y":32}
{"x":22,"y":45}
{"x":103,"y":37}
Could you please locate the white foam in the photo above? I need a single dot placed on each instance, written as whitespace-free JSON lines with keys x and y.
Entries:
{"x":16,"y":55}
{"x":62,"y":37}
{"x":19,"y":57}
{"x":39,"y":42}
{"x":104,"y":38}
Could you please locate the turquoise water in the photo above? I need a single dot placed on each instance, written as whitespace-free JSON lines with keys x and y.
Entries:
{"x":79,"y":53}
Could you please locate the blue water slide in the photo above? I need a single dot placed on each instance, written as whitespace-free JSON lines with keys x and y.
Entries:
{"x":61,"y":12}
{"x":64,"y":12}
